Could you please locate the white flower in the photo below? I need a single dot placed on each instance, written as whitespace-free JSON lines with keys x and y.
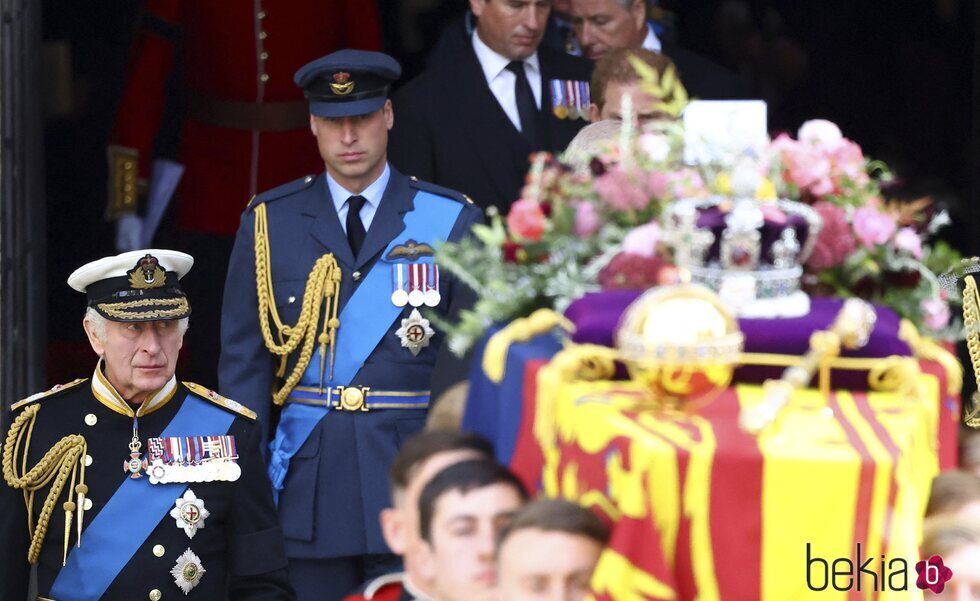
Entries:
{"x":820,"y":134}
{"x":655,"y":146}
{"x":745,"y":179}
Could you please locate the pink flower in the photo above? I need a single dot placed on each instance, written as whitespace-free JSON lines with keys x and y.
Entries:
{"x":935,"y":313}
{"x":820,"y":134}
{"x":849,"y":161}
{"x":772,"y":213}
{"x":587,"y":219}
{"x":873,"y":227}
{"x":658,"y":183}
{"x":685,"y":183}
{"x":526,"y":220}
{"x":907,"y":240}
{"x":835,"y":240}
{"x":618,"y":190}
{"x":642,"y":240}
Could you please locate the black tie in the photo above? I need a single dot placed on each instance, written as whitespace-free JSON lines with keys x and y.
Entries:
{"x":527,"y":109}
{"x":355,"y":227}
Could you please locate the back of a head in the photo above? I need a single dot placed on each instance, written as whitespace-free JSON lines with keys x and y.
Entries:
{"x":463,"y":477}
{"x":951,"y":491}
{"x":617,"y":66}
{"x":556,"y":515}
{"x":422,"y":446}
{"x":944,"y":535}
{"x":590,"y":142}
{"x":970,"y":450}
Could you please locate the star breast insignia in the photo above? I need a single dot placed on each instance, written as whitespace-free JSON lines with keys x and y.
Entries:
{"x":415,"y":332}
{"x":189,"y":513}
{"x":188,"y":571}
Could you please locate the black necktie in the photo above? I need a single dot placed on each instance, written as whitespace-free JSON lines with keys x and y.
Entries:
{"x":527,"y":109}
{"x":355,"y":227}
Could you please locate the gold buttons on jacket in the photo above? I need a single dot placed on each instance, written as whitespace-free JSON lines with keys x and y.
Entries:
{"x":158,"y":550}
{"x":263,"y":35}
{"x":264,"y":77}
{"x":156,"y":595}
{"x":261,"y":14}
{"x":91,"y":420}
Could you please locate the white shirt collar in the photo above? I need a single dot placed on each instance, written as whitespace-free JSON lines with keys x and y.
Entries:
{"x":493,"y":64}
{"x":372,"y":194}
{"x":106,"y":394}
{"x":651,"y":41}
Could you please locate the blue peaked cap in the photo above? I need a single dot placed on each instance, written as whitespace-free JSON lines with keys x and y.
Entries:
{"x":347,"y":82}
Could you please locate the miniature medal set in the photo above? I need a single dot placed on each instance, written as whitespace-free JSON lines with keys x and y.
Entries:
{"x":415,"y":285}
{"x":570,"y":99}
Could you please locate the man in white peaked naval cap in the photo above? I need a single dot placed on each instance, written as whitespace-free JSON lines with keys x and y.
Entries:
{"x":130,"y":484}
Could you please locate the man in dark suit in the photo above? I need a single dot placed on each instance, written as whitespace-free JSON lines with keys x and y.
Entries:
{"x":602,"y":26}
{"x":471,"y":122}
{"x":327,"y":276}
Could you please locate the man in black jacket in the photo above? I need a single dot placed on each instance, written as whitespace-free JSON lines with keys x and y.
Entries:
{"x":603,"y":26}
{"x":471,"y":121}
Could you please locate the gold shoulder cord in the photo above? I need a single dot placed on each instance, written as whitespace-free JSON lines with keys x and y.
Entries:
{"x":62,"y":461}
{"x":322,"y":285}
{"x":971,"y":323}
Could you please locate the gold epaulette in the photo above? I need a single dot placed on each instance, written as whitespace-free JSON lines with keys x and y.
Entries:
{"x":40,"y":395}
{"x":217,"y":399}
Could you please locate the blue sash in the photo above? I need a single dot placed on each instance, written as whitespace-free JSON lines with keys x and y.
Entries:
{"x":131,"y":514}
{"x":365,"y":320}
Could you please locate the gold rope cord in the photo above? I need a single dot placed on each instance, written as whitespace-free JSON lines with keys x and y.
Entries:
{"x":60,"y":463}
{"x":971,"y":323}
{"x":322,"y":285}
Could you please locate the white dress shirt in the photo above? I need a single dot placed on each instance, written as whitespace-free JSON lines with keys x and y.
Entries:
{"x":372,"y":194}
{"x":501,"y":81}
{"x":651,"y":42}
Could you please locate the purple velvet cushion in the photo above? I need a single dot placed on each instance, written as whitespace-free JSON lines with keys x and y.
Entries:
{"x":596,"y":316}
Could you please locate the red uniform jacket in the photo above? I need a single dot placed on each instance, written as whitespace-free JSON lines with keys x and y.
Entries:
{"x":247,"y":126}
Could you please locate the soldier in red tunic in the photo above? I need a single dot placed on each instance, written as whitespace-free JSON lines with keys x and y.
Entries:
{"x":246,"y":127}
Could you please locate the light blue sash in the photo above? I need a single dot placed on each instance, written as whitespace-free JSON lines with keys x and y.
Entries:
{"x":365,"y":320}
{"x":131,"y":514}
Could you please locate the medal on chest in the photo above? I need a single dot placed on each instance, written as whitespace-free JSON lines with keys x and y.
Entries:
{"x":134,"y":465}
{"x":415,"y":332}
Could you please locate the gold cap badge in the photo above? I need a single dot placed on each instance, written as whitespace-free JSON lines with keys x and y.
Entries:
{"x":147,"y":274}
{"x":342,"y":85}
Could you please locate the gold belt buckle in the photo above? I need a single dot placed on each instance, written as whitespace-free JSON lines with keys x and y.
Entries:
{"x":352,"y":398}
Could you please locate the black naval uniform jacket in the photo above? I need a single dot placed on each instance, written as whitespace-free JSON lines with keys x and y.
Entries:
{"x":240,"y":545}
{"x":451,"y":130}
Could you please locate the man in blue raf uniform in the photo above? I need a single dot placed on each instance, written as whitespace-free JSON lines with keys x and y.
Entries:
{"x":132,"y":485}
{"x":331,"y":279}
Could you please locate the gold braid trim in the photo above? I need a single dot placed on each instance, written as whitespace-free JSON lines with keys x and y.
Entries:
{"x":971,"y":323}
{"x":61,"y":462}
{"x":322,"y":285}
{"x":118,"y":309}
